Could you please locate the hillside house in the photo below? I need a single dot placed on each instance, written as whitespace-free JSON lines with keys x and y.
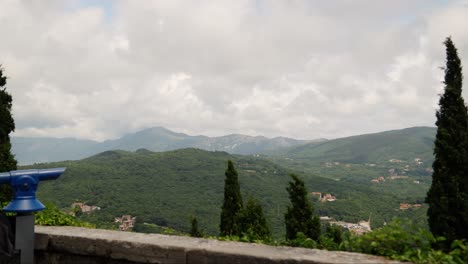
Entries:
{"x":405,"y":206}
{"x":318,"y":194}
{"x":397,"y":177}
{"x":127,"y":222}
{"x":326,"y":218}
{"x":85,"y":208}
{"x":378,"y":180}
{"x":357,"y":229}
{"x":328,"y":198}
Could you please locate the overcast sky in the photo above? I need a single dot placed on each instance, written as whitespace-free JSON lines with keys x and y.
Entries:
{"x":301,"y":69}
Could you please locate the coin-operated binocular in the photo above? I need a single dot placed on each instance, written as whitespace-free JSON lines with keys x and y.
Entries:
{"x":24,"y":203}
{"x":24,"y":183}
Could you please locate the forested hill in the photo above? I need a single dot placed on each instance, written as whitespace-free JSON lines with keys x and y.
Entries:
{"x":166,"y":188}
{"x":405,"y":144}
{"x":34,"y":150}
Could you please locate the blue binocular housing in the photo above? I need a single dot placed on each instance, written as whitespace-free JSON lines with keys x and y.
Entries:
{"x":24,"y":184}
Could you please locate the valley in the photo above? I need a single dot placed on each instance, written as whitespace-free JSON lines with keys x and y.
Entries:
{"x":164,"y":189}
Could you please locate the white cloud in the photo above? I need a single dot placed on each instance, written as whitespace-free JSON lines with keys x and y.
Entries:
{"x":292,"y":68}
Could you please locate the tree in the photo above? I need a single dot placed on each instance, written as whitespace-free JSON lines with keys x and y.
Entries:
{"x":253,"y":221}
{"x":334,"y":232}
{"x":299,"y":217}
{"x":195,"y":230}
{"x":448,"y":194}
{"x":7,"y":125}
{"x":232,"y":204}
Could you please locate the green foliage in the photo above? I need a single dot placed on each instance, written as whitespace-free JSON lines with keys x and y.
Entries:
{"x":253,"y":222}
{"x":156,"y":229}
{"x":232,"y":205}
{"x":300,"y":216}
{"x":448,"y":195}
{"x":302,"y":240}
{"x":401,"y":240}
{"x":52,"y":216}
{"x":150,"y":185}
{"x":7,"y":125}
{"x":334,"y":232}
{"x":195,"y":230}
{"x":394,"y":239}
{"x":77,"y":211}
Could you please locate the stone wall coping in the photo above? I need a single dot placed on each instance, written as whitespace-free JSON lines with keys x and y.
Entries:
{"x":157,"y":248}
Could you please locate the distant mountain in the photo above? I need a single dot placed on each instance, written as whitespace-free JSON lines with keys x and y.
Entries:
{"x":32,"y":150}
{"x":35,"y":150}
{"x":404,"y":144}
{"x":401,"y":144}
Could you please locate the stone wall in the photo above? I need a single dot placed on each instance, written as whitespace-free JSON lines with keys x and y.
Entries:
{"x":84,"y":245}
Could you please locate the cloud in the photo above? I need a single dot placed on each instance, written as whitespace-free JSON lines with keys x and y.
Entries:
{"x":302,"y":69}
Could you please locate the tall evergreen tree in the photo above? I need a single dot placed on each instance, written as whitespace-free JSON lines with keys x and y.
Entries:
{"x":195,"y":230}
{"x":253,"y":221}
{"x":448,"y":194}
{"x":300,"y":217}
{"x":232,"y":205}
{"x":7,"y":125}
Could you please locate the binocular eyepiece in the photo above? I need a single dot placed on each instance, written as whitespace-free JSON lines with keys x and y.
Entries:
{"x":24,"y":184}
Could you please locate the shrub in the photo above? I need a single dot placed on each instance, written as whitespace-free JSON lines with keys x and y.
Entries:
{"x":52,"y":216}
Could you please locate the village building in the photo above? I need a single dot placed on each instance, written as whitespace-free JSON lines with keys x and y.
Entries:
{"x":84,"y":207}
{"x":127,"y":222}
{"x":405,"y":206}
{"x":318,"y":194}
{"x":325,"y":218}
{"x":396,"y":177}
{"x":357,"y":229}
{"x":378,"y":180}
{"x":360,"y":228}
{"x":328,"y":198}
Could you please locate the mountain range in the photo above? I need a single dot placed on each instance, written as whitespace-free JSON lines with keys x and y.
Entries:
{"x":29,"y":150}
{"x":403,"y":144}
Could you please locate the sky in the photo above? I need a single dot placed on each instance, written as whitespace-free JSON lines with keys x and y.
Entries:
{"x":302,"y":69}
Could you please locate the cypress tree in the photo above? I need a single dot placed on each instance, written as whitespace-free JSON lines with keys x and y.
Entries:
{"x":253,"y":221}
{"x":300,"y":216}
{"x":232,"y":205}
{"x":195,"y":230}
{"x":7,"y":125}
{"x":448,"y":194}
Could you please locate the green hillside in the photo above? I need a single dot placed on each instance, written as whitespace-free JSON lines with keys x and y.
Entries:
{"x":166,"y":188}
{"x":404,"y":144}
{"x":364,"y":157}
